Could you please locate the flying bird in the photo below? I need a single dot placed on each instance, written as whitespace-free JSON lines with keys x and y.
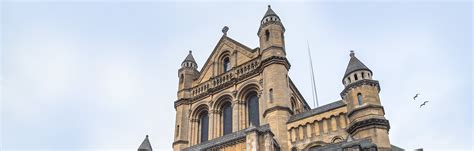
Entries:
{"x":424,"y":103}
{"x":414,"y":98}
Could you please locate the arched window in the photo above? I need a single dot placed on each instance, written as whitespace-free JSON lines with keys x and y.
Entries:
{"x":267,"y":35}
{"x":204,"y":126}
{"x":355,"y":77}
{"x":252,"y":106}
{"x":270,"y":94}
{"x":177,"y":131}
{"x":363,"y":75}
{"x":227,"y":118}
{"x":349,"y":78}
{"x":359,"y":98}
{"x":293,"y":105}
{"x":226,"y":64}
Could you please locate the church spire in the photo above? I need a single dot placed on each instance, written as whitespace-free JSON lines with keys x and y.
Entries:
{"x":145,"y":146}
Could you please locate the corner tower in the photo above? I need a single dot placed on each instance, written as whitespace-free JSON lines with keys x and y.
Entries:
{"x":187,"y":73}
{"x":365,"y":111}
{"x":271,"y":35}
{"x":275,"y":93}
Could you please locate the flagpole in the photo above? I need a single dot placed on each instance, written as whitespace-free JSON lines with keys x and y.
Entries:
{"x":313,"y":86}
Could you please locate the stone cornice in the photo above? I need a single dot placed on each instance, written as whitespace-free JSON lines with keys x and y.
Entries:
{"x":180,"y":142}
{"x":366,"y":106}
{"x":383,"y":123}
{"x":269,"y":23}
{"x":358,"y":84}
{"x":181,"y":102}
{"x":276,"y":60}
{"x":275,"y":108}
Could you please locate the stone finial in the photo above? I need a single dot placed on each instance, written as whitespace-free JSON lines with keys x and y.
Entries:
{"x":352,"y":54}
{"x":225,"y":29}
{"x":269,"y":6}
{"x":190,"y":51}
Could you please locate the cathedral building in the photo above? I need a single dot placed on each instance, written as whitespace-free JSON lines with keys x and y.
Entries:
{"x":243,"y":99}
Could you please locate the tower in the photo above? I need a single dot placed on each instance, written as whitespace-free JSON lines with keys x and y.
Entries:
{"x":271,"y":35}
{"x":365,"y":111}
{"x":187,"y":73}
{"x":276,"y":93}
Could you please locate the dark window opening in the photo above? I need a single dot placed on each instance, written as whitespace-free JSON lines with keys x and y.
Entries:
{"x":227,"y":118}
{"x":267,"y":35}
{"x":252,"y":106}
{"x":359,"y":98}
{"x":355,"y":76}
{"x":204,"y":123}
{"x":270,"y":95}
{"x":363,"y":75}
{"x":226,"y":63}
{"x":177,"y":131}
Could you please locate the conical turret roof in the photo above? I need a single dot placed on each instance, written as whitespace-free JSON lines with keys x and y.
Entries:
{"x":190,"y":57}
{"x":270,"y":12}
{"x":145,"y":146}
{"x":355,"y":65}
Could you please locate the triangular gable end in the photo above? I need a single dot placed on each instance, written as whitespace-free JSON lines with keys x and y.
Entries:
{"x":244,"y":54}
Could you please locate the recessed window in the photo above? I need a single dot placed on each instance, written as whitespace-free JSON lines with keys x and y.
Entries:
{"x":204,"y":125}
{"x":267,"y":35}
{"x":253,"y":111}
{"x":227,"y":118}
{"x":355,"y":76}
{"x":226,"y":63}
{"x":359,"y":98}
{"x":177,"y":131}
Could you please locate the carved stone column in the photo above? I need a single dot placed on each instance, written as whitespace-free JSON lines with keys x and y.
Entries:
{"x":211,"y":124}
{"x":235,"y":116}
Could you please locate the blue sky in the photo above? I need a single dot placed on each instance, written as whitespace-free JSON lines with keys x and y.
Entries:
{"x":100,"y":75}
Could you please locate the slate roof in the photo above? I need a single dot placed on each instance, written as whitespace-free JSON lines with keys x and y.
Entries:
{"x":318,"y":110}
{"x":355,"y":65}
{"x":270,"y":12}
{"x":145,"y":146}
{"x":190,"y":57}
{"x":235,"y":136}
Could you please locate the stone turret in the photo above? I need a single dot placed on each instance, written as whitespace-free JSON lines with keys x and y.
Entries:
{"x":276,"y":93}
{"x":187,"y":73}
{"x":365,"y":111}
{"x":271,"y":35}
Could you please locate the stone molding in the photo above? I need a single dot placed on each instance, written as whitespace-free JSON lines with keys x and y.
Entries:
{"x":180,"y":142}
{"x":181,"y":101}
{"x":275,"y":108}
{"x":353,"y":127}
{"x":358,"y":84}
{"x":366,"y":106}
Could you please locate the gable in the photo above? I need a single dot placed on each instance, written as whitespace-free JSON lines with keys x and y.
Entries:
{"x":237,"y":52}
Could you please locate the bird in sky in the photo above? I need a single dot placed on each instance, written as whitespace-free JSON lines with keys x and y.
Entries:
{"x":424,"y":103}
{"x":414,"y":98}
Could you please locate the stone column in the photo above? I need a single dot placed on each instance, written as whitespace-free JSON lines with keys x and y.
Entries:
{"x":211,"y":124}
{"x":235,"y":115}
